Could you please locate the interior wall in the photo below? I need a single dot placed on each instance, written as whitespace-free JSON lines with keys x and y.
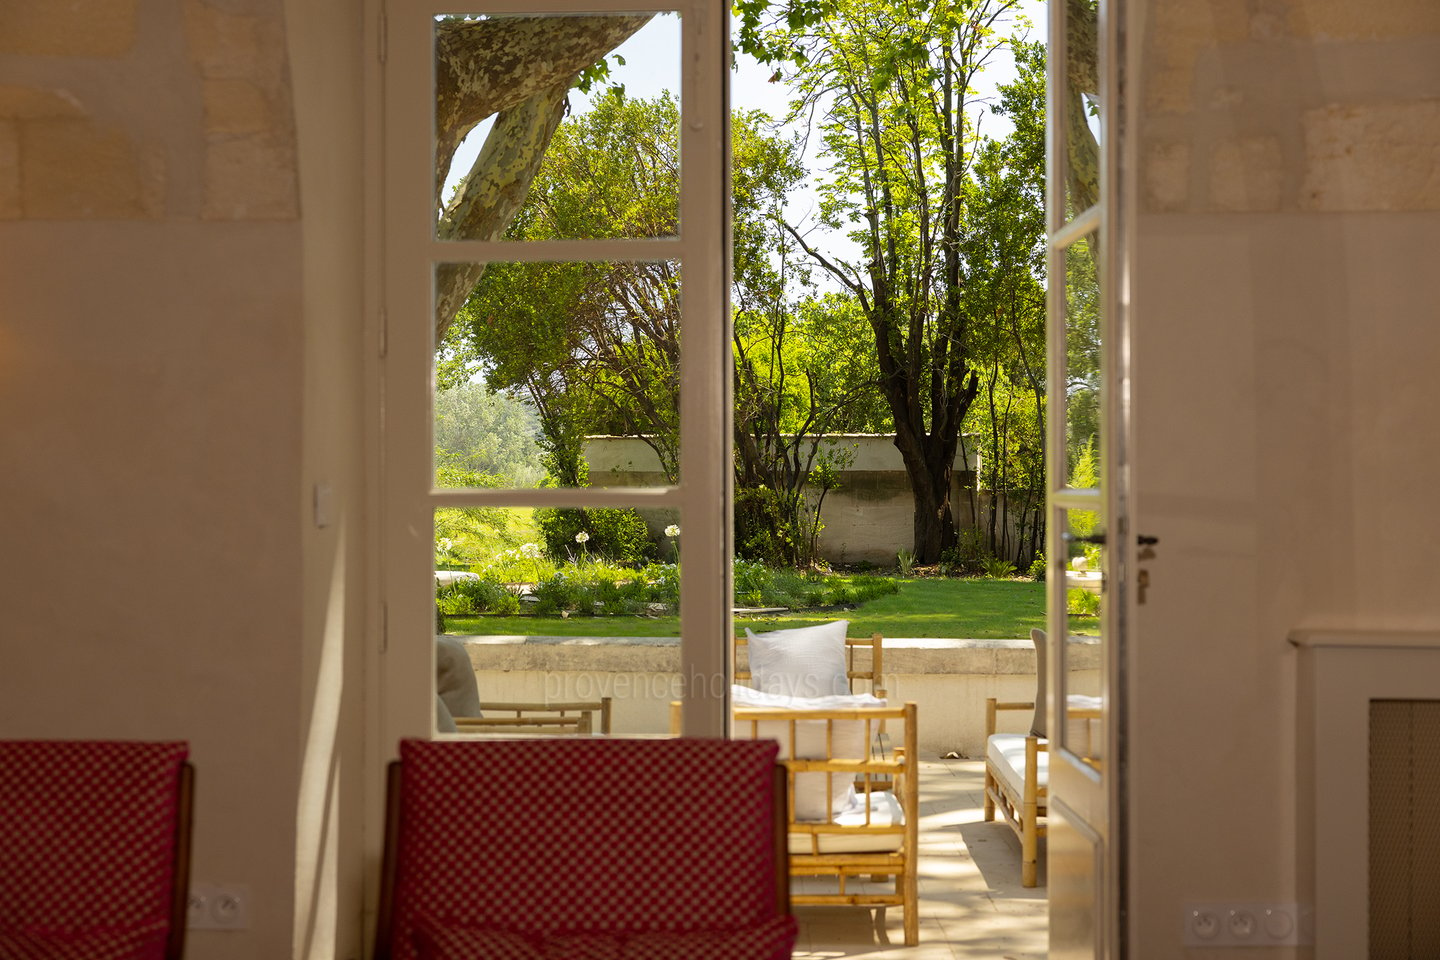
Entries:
{"x":325,"y":39}
{"x":152,"y":369}
{"x":1286,"y":334}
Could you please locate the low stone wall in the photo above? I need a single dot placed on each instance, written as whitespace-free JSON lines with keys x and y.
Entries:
{"x":949,"y":680}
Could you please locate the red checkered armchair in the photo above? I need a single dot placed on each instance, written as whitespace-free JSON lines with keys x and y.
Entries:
{"x":94,"y":849}
{"x":585,"y":850}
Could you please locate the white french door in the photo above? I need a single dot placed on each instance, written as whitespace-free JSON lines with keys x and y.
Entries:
{"x":1090,"y":545}
{"x":418,"y":262}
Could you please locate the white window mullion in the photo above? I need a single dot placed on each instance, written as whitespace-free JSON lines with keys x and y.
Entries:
{"x":705,"y":397}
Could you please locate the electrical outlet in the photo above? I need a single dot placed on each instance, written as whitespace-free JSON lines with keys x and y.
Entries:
{"x":1246,"y":925}
{"x":218,"y":906}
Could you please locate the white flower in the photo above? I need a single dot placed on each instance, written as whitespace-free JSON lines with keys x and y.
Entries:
{"x":673,"y":530}
{"x":446,"y":543}
{"x":581,"y":537}
{"x":530,"y":551}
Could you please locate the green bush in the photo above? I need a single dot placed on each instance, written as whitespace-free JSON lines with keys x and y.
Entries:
{"x":967,"y":557}
{"x":468,"y":597}
{"x":997,"y":569}
{"x":617,"y":535}
{"x":1037,"y":568}
{"x":1082,"y":603}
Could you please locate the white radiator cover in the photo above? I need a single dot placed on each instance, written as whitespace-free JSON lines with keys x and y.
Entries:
{"x":1346,"y":678}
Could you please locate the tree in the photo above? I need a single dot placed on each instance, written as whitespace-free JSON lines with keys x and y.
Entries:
{"x":595,"y":347}
{"x":1005,"y":252}
{"x":517,"y":69}
{"x":892,"y":81}
{"x":479,"y":431}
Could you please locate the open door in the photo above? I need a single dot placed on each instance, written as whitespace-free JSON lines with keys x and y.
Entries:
{"x":1089,"y":547}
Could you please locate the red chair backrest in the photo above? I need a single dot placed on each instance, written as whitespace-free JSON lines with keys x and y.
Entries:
{"x":88,"y":835}
{"x":547,"y":836}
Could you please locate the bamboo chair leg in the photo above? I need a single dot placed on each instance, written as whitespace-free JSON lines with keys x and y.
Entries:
{"x":1029,"y":815}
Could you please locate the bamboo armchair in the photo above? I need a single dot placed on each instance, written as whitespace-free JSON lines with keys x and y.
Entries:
{"x":1015,"y":784}
{"x":876,"y":837}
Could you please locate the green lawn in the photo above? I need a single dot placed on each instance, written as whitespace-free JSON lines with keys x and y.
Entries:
{"x":978,"y":609}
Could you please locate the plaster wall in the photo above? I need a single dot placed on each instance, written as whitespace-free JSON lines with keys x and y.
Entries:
{"x":1286,"y":327}
{"x":153,"y":415}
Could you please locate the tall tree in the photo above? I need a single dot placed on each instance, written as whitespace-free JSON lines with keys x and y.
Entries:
{"x":892,"y":82}
{"x":517,"y":69}
{"x":1005,"y":252}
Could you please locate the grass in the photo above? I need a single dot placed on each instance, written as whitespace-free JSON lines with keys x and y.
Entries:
{"x":932,"y":607}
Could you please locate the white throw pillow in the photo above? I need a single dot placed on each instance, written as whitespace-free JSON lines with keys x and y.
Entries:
{"x":802,"y":662}
{"x":814,"y":799}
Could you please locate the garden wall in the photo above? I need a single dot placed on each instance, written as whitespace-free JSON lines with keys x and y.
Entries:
{"x":870,"y":516}
{"x":949,"y":680}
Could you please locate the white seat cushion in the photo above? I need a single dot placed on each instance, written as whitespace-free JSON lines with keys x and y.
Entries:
{"x":1006,"y":754}
{"x":816,"y":794}
{"x":885,"y":811}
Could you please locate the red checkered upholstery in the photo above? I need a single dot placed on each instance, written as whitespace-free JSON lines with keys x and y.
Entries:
{"x":554,"y":837}
{"x":87,"y":847}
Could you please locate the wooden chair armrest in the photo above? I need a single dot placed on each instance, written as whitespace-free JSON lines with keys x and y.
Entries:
{"x":994,"y":706}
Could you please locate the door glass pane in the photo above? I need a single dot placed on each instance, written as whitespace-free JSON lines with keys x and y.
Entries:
{"x":1082,"y":363}
{"x":560,"y":374}
{"x":1081,"y":117}
{"x":1083,"y":651}
{"x":560,"y":606}
{"x":555,"y":127}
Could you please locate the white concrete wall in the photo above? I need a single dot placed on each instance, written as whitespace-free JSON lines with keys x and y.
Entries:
{"x":1287,"y":334}
{"x":948,"y":680}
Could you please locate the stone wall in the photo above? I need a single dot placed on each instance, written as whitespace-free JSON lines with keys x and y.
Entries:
{"x":870,"y":516}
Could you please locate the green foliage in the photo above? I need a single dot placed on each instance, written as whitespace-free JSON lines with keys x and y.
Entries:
{"x":480,"y":431}
{"x":1037,"y":568}
{"x":618,"y":535}
{"x":905,"y":560}
{"x":967,"y":557}
{"x":1085,"y":474}
{"x":593,"y":591}
{"x":997,"y":569}
{"x":463,"y":533}
{"x":1082,"y":603}
{"x":758,"y":585}
{"x":468,"y":597}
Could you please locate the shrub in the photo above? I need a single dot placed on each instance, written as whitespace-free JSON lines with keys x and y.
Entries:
{"x":469,"y":597}
{"x":1082,"y":603}
{"x":967,"y":557}
{"x":997,"y":569}
{"x":1037,"y":568}
{"x":905,"y":560}
{"x":618,"y":535}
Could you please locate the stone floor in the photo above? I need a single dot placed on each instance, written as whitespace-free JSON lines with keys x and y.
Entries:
{"x":971,"y":902}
